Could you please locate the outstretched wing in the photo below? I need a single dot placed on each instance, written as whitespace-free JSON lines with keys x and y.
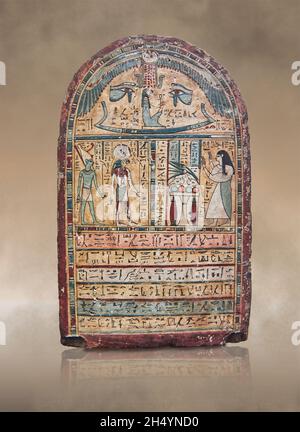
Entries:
{"x":89,"y":98}
{"x":217,"y":98}
{"x":214,"y":92}
{"x":93,"y":90}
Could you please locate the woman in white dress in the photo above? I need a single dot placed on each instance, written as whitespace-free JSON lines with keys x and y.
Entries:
{"x":220,"y":206}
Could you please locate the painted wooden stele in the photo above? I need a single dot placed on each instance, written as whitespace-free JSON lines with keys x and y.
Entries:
{"x":154,"y":222}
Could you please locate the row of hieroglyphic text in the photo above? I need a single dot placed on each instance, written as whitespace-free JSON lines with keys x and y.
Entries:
{"x":91,"y":324}
{"x":148,"y":240}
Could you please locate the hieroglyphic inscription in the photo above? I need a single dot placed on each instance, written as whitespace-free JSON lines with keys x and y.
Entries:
{"x":163,"y":290}
{"x":146,"y":240}
{"x":160,"y":257}
{"x":152,"y":324}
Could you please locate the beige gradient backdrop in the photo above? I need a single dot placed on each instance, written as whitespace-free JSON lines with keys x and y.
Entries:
{"x":43,"y":43}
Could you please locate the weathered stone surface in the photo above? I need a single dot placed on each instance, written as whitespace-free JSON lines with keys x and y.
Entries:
{"x":154,"y":219}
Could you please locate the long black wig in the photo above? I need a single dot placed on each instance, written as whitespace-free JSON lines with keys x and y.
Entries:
{"x":226,"y":160}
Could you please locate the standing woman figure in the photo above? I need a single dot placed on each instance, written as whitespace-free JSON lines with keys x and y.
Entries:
{"x":220,"y":206}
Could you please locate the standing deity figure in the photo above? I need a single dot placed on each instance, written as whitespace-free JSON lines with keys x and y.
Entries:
{"x":122,"y":183}
{"x":87,"y":179}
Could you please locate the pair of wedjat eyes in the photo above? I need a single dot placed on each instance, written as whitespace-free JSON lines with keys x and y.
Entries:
{"x":178,"y":92}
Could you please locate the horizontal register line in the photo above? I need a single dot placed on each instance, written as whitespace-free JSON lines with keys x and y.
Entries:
{"x":111,"y":266}
{"x":155,"y":283}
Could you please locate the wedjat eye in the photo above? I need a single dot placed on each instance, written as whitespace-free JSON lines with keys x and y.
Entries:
{"x":180,"y":92}
{"x":116,"y":93}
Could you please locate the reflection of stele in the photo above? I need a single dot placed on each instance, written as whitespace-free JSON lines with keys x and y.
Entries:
{"x":79,"y":365}
{"x":122,"y":182}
